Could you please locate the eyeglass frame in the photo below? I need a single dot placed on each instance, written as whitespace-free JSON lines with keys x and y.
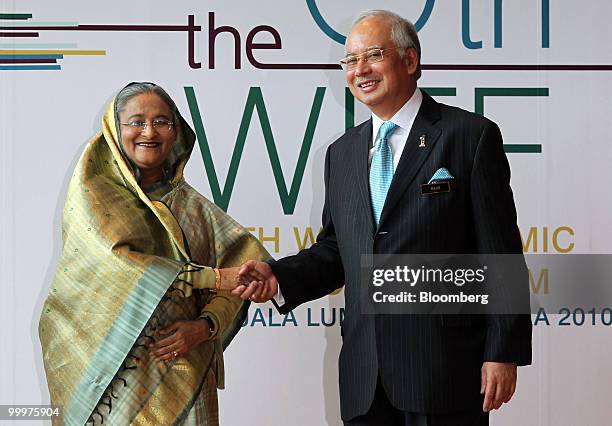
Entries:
{"x":169,"y":123}
{"x":363,"y":55}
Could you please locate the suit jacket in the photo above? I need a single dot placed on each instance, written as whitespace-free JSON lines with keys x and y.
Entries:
{"x":427,"y":364}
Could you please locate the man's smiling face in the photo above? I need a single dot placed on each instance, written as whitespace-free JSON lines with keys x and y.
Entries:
{"x":386,"y":85}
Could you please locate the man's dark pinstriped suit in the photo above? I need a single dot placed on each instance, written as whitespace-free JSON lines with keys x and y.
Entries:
{"x":427,"y":364}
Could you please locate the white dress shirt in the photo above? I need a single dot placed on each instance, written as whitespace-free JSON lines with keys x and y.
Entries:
{"x":404,"y":119}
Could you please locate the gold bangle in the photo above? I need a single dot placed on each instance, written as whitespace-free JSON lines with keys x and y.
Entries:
{"x":217,"y":279}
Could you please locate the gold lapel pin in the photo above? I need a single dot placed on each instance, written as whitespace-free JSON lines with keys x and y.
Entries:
{"x":422,"y":142}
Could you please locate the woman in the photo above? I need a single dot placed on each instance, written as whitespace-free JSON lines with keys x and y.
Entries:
{"x":133,"y":330}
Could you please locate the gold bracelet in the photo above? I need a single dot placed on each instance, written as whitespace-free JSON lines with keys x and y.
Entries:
{"x":217,"y":279}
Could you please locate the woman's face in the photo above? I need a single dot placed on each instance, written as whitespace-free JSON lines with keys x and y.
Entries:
{"x":145,"y":137}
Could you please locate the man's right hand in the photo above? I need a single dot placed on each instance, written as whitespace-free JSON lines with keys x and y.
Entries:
{"x":263,"y":285}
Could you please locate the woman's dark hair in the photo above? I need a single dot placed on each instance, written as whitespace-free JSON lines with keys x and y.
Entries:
{"x":135,"y":89}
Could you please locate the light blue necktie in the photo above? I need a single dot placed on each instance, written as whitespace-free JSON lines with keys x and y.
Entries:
{"x":381,"y":170}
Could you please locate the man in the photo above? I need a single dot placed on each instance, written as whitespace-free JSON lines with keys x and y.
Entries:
{"x":407,"y":369}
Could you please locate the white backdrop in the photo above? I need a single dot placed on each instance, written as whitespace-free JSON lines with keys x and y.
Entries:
{"x":283,"y":370}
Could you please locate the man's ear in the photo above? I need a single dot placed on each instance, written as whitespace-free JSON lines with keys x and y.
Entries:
{"x":411,"y":58}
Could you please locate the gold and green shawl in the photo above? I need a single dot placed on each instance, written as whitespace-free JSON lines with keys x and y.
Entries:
{"x":122,"y":254}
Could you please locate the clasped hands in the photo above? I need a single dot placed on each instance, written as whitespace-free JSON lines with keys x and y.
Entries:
{"x":253,"y":280}
{"x":256,"y":282}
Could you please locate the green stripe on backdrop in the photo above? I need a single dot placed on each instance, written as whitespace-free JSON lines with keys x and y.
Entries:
{"x":440,"y":91}
{"x":15,"y":15}
{"x":480,"y":93}
{"x":523,"y":148}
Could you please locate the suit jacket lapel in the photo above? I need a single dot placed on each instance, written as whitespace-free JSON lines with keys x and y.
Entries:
{"x":413,"y":157}
{"x":360,"y":165}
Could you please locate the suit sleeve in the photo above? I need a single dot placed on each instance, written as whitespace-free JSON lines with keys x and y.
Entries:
{"x":314,"y":272}
{"x":508,"y":337}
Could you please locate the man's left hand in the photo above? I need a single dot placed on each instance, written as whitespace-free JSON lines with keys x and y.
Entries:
{"x":498,"y":383}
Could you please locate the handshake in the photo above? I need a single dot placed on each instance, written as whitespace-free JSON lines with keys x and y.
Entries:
{"x":253,"y":280}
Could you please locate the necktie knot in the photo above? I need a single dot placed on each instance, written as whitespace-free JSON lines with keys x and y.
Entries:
{"x":385,"y":130}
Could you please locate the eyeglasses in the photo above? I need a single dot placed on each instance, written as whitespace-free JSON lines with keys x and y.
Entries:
{"x":159,"y":125}
{"x":371,"y":56}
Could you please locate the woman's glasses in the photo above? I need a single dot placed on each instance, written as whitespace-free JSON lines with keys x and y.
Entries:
{"x":159,"y":125}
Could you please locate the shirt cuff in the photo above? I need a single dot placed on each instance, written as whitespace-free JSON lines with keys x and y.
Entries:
{"x":202,"y":279}
{"x":278,"y":298}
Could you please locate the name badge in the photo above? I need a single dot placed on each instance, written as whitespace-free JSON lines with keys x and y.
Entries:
{"x":435,"y":188}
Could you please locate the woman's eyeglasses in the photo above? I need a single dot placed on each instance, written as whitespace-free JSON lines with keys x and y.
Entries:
{"x":159,"y":125}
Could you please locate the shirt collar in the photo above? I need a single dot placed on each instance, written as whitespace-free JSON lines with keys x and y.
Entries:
{"x":403,"y":118}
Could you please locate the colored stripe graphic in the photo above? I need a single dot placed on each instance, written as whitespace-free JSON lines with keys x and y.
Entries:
{"x":11,"y":56}
{"x":26,"y":61}
{"x":15,"y":15}
{"x":38,"y":45}
{"x":18,"y":34}
{"x":29,"y":67}
{"x":52,"y":52}
{"x":180,"y":28}
{"x":27,"y":25}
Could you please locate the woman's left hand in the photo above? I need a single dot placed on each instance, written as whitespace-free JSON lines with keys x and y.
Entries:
{"x":182,"y":337}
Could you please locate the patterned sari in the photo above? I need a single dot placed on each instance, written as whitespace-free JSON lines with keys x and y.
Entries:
{"x":123,"y":274}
